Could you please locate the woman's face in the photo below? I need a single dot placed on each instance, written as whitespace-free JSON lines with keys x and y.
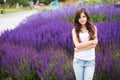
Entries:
{"x":83,"y":19}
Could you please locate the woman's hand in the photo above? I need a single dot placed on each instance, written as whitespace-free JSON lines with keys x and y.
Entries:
{"x":76,"y":49}
{"x":95,"y":41}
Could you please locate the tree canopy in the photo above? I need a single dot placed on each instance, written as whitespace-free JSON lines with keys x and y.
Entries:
{"x":13,"y":2}
{"x":26,"y":2}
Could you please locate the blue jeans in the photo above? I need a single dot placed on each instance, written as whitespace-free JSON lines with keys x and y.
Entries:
{"x":83,"y":69}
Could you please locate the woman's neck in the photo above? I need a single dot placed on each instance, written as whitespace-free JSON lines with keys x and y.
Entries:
{"x":84,"y":29}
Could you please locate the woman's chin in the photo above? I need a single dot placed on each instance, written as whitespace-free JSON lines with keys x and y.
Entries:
{"x":82,"y":23}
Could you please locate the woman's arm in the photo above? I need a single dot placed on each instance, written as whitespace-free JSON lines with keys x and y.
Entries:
{"x":76,"y":42}
{"x":85,"y":48}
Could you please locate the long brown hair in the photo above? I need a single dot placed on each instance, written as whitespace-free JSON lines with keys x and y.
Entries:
{"x":89,"y":25}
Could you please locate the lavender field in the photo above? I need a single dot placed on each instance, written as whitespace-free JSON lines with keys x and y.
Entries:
{"x":41,"y":47}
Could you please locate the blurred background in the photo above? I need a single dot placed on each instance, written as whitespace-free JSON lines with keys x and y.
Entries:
{"x":8,"y":6}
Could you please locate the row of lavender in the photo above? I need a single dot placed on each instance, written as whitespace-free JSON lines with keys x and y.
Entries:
{"x":42,"y":46}
{"x":20,"y":60}
{"x":108,"y":50}
{"x":49,"y":64}
{"x":40,"y":26}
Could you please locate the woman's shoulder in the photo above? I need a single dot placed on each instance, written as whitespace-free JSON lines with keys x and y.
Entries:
{"x":73,"y":30}
{"x":95,"y":27}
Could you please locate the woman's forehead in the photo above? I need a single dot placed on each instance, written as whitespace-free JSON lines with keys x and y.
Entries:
{"x":82,"y":14}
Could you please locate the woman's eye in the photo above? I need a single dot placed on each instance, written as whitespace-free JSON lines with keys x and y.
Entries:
{"x":84,"y":16}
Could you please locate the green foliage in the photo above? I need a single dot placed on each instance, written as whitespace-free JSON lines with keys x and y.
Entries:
{"x":45,"y":1}
{"x":62,"y":0}
{"x":24,"y":2}
{"x":12,"y":10}
{"x":117,"y":55}
{"x":90,"y":2}
{"x":48,"y":1}
{"x":101,"y":77}
{"x":52,"y":65}
{"x":70,"y":19}
{"x":21,"y":2}
{"x":110,"y":1}
{"x":53,"y":77}
{"x":97,"y":18}
{"x":116,"y":17}
{"x":1,"y":1}
{"x":31,"y":76}
{"x":3,"y":74}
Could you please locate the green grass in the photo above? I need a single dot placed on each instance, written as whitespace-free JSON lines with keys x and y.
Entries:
{"x":12,"y":10}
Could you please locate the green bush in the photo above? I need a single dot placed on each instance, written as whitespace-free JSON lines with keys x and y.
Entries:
{"x":110,"y":1}
{"x":4,"y":74}
{"x":32,"y":76}
{"x":90,"y":2}
{"x":96,"y":18}
{"x":116,"y":17}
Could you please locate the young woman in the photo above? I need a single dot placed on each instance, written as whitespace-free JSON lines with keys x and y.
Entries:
{"x":85,"y":40}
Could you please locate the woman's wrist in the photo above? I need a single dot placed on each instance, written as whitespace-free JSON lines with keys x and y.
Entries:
{"x":91,"y":42}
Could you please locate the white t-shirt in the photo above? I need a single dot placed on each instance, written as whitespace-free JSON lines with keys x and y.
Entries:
{"x":85,"y":54}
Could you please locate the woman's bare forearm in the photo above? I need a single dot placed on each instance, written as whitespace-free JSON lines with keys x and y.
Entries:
{"x":84,"y":44}
{"x":85,"y":48}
